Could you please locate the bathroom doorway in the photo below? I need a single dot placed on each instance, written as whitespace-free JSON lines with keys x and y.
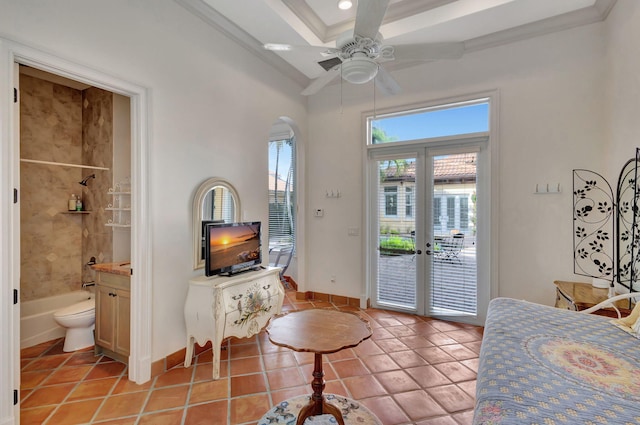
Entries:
{"x":16,"y":54}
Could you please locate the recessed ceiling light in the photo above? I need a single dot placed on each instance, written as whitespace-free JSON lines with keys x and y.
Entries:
{"x":345,"y":4}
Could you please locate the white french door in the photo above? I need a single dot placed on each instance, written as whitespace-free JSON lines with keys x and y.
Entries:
{"x":427,"y":250}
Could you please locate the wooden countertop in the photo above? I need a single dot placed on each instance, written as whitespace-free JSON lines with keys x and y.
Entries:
{"x":122,"y":268}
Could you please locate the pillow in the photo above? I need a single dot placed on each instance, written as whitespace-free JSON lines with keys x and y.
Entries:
{"x":631,"y":323}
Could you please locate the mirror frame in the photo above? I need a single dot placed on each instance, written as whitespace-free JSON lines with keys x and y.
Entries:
{"x":198,"y":201}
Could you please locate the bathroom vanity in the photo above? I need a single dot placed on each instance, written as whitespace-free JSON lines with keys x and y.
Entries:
{"x":113,"y":310}
{"x":219,"y":307}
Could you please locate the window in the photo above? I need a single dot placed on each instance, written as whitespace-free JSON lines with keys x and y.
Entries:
{"x":451,"y":213}
{"x":408,"y":203}
{"x":282,"y":192}
{"x":464,"y":213}
{"x":391,"y":201}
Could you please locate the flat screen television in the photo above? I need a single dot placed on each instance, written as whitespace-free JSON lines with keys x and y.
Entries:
{"x":232,"y":247}
{"x":204,"y":231}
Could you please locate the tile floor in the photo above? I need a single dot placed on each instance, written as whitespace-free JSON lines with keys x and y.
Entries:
{"x":414,"y":370}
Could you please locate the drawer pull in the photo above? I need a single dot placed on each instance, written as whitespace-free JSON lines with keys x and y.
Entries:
{"x":266,"y":287}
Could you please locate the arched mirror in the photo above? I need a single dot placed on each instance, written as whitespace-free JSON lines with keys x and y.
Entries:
{"x":216,"y":200}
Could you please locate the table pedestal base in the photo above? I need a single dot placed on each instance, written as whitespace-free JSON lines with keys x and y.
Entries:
{"x":318,"y":405}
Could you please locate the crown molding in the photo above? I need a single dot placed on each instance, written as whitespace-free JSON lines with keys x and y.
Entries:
{"x":242,"y":38}
{"x":589,"y":15}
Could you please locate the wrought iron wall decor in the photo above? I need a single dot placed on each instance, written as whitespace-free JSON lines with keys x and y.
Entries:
{"x":593,"y":225}
{"x":628,"y":220}
{"x":594,"y":208}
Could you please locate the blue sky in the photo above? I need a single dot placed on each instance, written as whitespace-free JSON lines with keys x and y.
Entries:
{"x":437,"y":123}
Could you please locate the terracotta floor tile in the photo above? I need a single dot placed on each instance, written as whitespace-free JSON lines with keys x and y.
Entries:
{"x":400,"y":374}
{"x":406,"y":359}
{"x":364,"y":387}
{"x":391,"y":345}
{"x":456,"y":371}
{"x":167,"y":398}
{"x":468,"y":387}
{"x":347,"y":368}
{"x":415,"y":341}
{"x":170,"y":417}
{"x":105,"y":370}
{"x":47,"y":395}
{"x":440,"y":420}
{"x":278,"y":360}
{"x":67,"y":374}
{"x":428,"y":376}
{"x":282,"y":395}
{"x":245,"y":365}
{"x":386,"y":410}
{"x":208,"y":413}
{"x":82,"y":358}
{"x":92,"y":389}
{"x":247,"y":384}
{"x":244,"y":350}
{"x":36,"y":415}
{"x":464,"y":418}
{"x":418,"y":404}
{"x":379,"y":363}
{"x":75,"y":413}
{"x":345,"y":354}
{"x":459,"y":352}
{"x":434,"y":355}
{"x":122,"y":405}
{"x":452,"y":398}
{"x":33,"y":379}
{"x":247,"y":409}
{"x":207,"y":391}
{"x":45,"y":363}
{"x":176,"y":376}
{"x":367,"y":348}
{"x":284,"y":378}
{"x":124,"y":385}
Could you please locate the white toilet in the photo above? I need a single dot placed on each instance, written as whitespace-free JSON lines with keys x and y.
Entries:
{"x":79,"y":319}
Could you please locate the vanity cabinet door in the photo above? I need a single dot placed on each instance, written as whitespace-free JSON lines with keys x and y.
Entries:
{"x":123,"y":322}
{"x":105,"y":317}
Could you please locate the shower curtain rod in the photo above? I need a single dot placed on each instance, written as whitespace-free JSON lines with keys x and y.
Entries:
{"x":35,"y":161}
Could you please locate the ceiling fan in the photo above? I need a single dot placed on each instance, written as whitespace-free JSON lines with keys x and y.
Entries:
{"x":359,"y":52}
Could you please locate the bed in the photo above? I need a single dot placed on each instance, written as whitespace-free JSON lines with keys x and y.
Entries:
{"x":544,"y":365}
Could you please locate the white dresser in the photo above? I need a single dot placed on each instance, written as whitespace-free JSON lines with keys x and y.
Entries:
{"x":219,"y":307}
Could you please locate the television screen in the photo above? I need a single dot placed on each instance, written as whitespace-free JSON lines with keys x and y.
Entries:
{"x":204,"y":231}
{"x":232,"y":247}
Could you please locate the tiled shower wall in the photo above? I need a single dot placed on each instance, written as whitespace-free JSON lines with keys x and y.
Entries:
{"x":65,"y":125}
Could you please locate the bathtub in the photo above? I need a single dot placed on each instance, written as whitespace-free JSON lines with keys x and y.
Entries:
{"x":36,"y":317}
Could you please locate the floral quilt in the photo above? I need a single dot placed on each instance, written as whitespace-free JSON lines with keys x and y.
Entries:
{"x":544,"y":365}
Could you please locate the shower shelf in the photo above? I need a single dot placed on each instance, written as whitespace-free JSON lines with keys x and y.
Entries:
{"x":35,"y":161}
{"x":120,"y":206}
{"x":76,"y":212}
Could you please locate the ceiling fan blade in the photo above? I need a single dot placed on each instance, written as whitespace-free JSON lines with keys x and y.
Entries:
{"x":428,"y":51}
{"x":385,"y":83}
{"x":324,"y":51}
{"x":369,"y":17}
{"x":322,"y":81}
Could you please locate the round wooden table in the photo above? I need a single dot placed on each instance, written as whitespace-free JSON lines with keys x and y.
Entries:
{"x":318,"y":331}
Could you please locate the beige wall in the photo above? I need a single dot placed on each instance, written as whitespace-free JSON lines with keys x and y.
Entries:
{"x":66,"y":125}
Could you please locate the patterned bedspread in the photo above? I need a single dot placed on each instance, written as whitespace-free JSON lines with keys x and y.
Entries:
{"x":543,"y":365}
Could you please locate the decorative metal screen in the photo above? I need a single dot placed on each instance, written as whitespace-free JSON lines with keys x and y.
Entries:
{"x":593,"y":225}
{"x":628,"y":222}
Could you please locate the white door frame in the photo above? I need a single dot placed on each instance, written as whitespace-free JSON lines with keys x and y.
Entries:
{"x":141,"y":325}
{"x":488,"y":224}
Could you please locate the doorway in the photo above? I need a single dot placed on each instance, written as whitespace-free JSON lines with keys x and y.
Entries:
{"x":425,"y":201}
{"x":141,"y":329}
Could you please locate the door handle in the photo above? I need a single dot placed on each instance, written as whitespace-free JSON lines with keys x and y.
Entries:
{"x":428,"y":252}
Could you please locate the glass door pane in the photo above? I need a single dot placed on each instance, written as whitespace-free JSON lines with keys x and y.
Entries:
{"x":453,"y":289}
{"x":396,"y":233}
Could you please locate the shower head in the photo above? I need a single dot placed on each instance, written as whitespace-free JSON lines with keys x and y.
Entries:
{"x":86,"y":179}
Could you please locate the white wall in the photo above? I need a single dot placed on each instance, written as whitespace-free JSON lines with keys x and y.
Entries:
{"x":622,"y":85}
{"x":550,"y":122}
{"x":212,"y":105}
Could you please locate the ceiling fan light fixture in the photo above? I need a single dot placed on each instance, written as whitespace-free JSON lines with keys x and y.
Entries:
{"x":345,"y":4}
{"x":359,"y":70}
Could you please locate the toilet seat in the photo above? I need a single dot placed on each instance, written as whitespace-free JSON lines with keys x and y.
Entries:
{"x":78,"y":309}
